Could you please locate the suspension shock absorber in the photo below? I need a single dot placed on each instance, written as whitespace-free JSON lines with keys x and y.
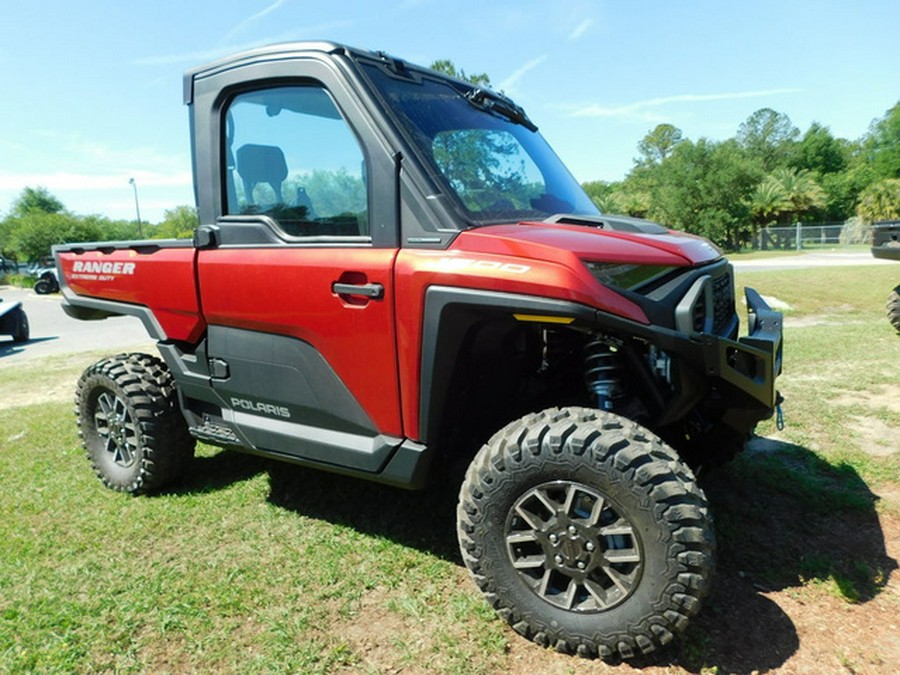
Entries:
{"x":602,"y":372}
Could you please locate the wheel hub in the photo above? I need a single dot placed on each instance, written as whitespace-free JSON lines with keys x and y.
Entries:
{"x":113,"y":424}
{"x":573,"y":547}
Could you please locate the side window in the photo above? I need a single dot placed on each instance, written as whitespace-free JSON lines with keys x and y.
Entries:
{"x":291,"y":156}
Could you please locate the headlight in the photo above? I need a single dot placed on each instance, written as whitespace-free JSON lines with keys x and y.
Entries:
{"x":626,"y":276}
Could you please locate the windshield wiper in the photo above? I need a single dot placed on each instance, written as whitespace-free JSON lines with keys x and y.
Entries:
{"x":499,"y":105}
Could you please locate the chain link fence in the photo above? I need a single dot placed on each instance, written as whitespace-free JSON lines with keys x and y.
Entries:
{"x":808,"y":236}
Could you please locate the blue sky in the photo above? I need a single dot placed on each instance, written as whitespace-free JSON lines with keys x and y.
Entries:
{"x":92,"y":90}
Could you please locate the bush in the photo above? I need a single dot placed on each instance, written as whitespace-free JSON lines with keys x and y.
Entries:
{"x":17,"y":280}
{"x":855,"y":231}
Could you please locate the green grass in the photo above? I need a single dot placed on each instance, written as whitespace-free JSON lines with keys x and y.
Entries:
{"x":841,"y":367}
{"x":756,"y":254}
{"x":250,"y":566}
{"x":225,"y":574}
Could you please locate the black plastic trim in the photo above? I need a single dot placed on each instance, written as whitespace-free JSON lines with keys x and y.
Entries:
{"x":749,"y":365}
{"x":443,"y":330}
{"x":92,"y":309}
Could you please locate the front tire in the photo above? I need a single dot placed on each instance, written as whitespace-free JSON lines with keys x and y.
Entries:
{"x":130,"y":423}
{"x":586,"y":533}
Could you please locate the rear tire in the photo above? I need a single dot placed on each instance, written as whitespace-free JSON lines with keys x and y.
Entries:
{"x":21,"y":330}
{"x":130,"y":423}
{"x":586,"y":533}
{"x":893,"y":308}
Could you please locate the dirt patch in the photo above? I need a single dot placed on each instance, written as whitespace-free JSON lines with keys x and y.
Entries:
{"x":878,"y":438}
{"x":53,"y":382}
{"x":817,"y":320}
{"x":872,"y":434}
{"x":886,"y":396}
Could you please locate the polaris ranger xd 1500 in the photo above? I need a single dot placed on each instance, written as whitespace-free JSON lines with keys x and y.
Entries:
{"x":393,"y":270}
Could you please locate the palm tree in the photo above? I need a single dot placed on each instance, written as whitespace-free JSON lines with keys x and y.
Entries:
{"x":768,"y":201}
{"x":880,"y":201}
{"x":801,"y":190}
{"x":785,"y":194}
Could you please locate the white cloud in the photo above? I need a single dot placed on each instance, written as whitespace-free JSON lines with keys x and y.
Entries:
{"x":204,"y":55}
{"x":251,"y":19}
{"x":645,"y":109}
{"x":508,"y":85}
{"x":581,"y":29}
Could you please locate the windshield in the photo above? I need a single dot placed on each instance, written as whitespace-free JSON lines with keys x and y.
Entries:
{"x":489,"y":156}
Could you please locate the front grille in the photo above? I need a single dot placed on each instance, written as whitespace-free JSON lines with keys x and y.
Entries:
{"x":723,"y":302}
{"x":707,"y":306}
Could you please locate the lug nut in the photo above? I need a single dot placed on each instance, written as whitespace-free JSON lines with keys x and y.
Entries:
{"x":553,"y":538}
{"x":581,"y":565}
{"x":589,"y":546}
{"x":559,"y":559}
{"x":572,"y":529}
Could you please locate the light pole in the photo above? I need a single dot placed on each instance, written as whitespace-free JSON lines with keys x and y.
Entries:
{"x":137,"y":207}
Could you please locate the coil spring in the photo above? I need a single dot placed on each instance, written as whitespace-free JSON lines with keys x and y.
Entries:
{"x":602,"y":372}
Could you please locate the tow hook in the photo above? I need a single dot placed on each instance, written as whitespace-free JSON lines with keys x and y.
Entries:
{"x":779,"y":413}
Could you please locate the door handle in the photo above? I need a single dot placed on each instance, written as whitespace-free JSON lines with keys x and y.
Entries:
{"x":373,"y":291}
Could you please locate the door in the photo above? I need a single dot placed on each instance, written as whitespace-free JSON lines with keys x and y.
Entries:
{"x":298,"y":300}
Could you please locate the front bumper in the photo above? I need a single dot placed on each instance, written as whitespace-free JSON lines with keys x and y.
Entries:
{"x":733,"y":378}
{"x":751,"y":363}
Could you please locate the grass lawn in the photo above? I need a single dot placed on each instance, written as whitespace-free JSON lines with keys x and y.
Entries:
{"x":251,"y":566}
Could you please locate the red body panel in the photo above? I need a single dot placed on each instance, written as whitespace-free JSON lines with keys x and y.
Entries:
{"x":161,"y":279}
{"x":288,"y":291}
{"x":530,"y":259}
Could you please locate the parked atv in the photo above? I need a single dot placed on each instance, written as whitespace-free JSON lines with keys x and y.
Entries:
{"x":886,"y":245}
{"x":47,"y":282}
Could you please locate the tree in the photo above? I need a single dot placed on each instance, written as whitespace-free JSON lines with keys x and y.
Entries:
{"x":447,"y":67}
{"x":36,"y":232}
{"x":767,"y":202}
{"x":820,"y":152}
{"x":793,"y":193}
{"x":36,"y":199}
{"x":701,"y":188}
{"x":767,"y":136}
{"x":658,"y":144}
{"x":880,"y":201}
{"x":178,"y":223}
{"x":881,"y":147}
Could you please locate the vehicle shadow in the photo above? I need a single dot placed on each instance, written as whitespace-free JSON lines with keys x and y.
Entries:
{"x":784,"y":518}
{"x":421,"y":519}
{"x":9,"y":347}
{"x":216,"y":472}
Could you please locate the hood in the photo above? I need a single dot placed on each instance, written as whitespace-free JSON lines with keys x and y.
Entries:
{"x":613,"y":239}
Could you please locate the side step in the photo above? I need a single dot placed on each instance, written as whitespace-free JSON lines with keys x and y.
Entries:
{"x":215,"y":434}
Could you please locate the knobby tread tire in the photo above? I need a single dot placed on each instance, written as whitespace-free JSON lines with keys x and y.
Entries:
{"x":892,"y":308}
{"x":21,"y":330}
{"x":623,"y":460}
{"x":164,"y":446}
